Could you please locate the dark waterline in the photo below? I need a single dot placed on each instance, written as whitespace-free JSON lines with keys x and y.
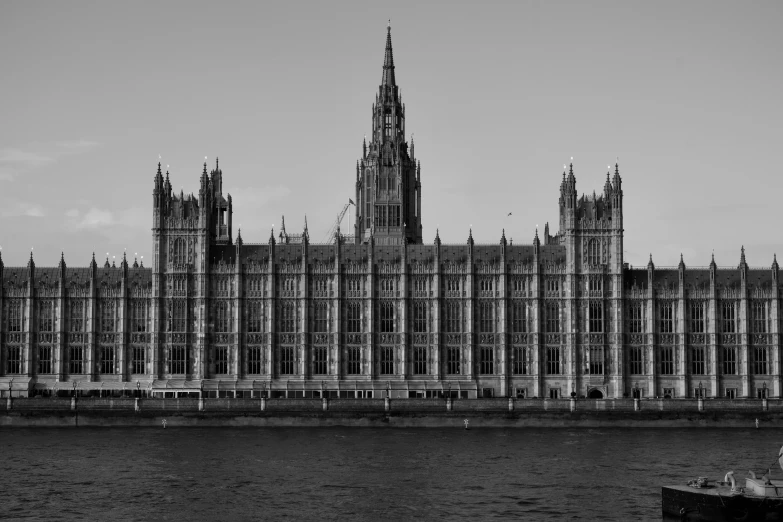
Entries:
{"x":362,"y":474}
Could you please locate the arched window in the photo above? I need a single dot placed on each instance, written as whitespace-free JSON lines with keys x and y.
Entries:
{"x":485,"y":318}
{"x":354,"y":317}
{"x":387,"y":317}
{"x":255,"y":320}
{"x":321,"y":324}
{"x":288,"y":318}
{"x":593,"y":253}
{"x":222,"y":322}
{"x":180,"y":253}
{"x":420,"y":317}
{"x":107,"y":316}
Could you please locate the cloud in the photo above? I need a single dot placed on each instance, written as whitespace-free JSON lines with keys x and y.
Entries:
{"x":76,"y":147}
{"x":16,"y":161}
{"x":21,"y":208}
{"x":99,"y":219}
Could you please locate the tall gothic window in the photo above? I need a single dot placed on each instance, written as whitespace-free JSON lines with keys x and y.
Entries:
{"x":667,"y":360}
{"x":13,"y":359}
{"x":596,"y":312}
{"x":178,"y":359}
{"x":179,"y":315}
{"x":666,"y":317}
{"x":222,"y":319}
{"x":180,"y":252}
{"x":221,"y":360}
{"x":759,"y":317}
{"x":319,"y":361}
{"x":387,"y":317}
{"x":452,"y":360}
{"x":487,"y":360}
{"x":107,"y":359}
{"x":286,"y":360}
{"x":45,"y":359}
{"x":354,"y":360}
{"x":520,"y":360}
{"x":138,"y":362}
{"x":255,"y":316}
{"x":760,"y":360}
{"x":698,"y":361}
{"x":420,"y":317}
{"x":387,"y":360}
{"x":354,"y":317}
{"x":553,"y":360}
{"x":486,"y":322}
{"x":552,"y":317}
{"x":729,"y":360}
{"x":635,"y":322}
{"x":728,"y":317}
{"x":77,"y":315}
{"x":388,"y":125}
{"x":419,"y":360}
{"x":288,"y":318}
{"x":321,"y":324}
{"x":697,"y":317}
{"x":593,"y":253}
{"x":139,"y":315}
{"x":636,"y":360}
{"x":107,"y":316}
{"x":254,"y":360}
{"x":596,"y":366}
{"x":519,"y":317}
{"x":76,"y":360}
{"x":453,"y":316}
{"x":14,"y":321}
{"x":46,"y":317}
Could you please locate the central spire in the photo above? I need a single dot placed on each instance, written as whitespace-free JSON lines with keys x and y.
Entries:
{"x":388,"y":61}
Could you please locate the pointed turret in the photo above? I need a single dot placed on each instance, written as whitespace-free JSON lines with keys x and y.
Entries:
{"x":272,"y":237}
{"x":364,"y":147}
{"x":742,"y":263}
{"x":470,"y":237}
{"x":681,"y":266}
{"x":31,"y":263}
{"x":713,"y":266}
{"x":650,"y":264}
{"x":607,"y":187}
{"x":135,"y":262}
{"x":617,"y":181}
{"x":305,"y":232}
{"x":437,"y":236}
{"x":775,"y":266}
{"x":239,"y":237}
{"x":388,"y":61}
{"x":283,"y":235}
{"x":503,"y":237}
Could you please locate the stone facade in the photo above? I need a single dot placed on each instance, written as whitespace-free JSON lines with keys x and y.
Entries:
{"x":379,"y":311}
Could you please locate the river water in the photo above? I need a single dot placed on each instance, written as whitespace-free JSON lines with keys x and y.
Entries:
{"x":362,"y":473}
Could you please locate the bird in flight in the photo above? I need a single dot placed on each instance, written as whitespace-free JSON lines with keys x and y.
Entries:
{"x":509,"y":214}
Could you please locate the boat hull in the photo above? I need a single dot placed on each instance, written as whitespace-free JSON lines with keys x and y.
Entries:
{"x":717,"y":504}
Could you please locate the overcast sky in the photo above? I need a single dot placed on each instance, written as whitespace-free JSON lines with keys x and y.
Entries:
{"x":498,"y":96}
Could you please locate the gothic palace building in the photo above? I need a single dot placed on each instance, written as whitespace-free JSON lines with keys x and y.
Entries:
{"x":381,"y":311}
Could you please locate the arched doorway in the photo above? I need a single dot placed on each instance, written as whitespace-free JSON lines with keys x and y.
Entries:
{"x":595,"y":393}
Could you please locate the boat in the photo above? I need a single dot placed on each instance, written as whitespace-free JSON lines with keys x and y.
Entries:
{"x":761,"y":498}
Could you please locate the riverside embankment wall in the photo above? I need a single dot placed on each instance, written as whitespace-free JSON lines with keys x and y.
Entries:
{"x":479,"y":413}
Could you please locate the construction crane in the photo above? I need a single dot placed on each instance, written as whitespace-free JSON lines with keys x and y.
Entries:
{"x":330,"y":235}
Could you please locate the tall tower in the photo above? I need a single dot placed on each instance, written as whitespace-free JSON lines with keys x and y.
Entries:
{"x":388,"y":179}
